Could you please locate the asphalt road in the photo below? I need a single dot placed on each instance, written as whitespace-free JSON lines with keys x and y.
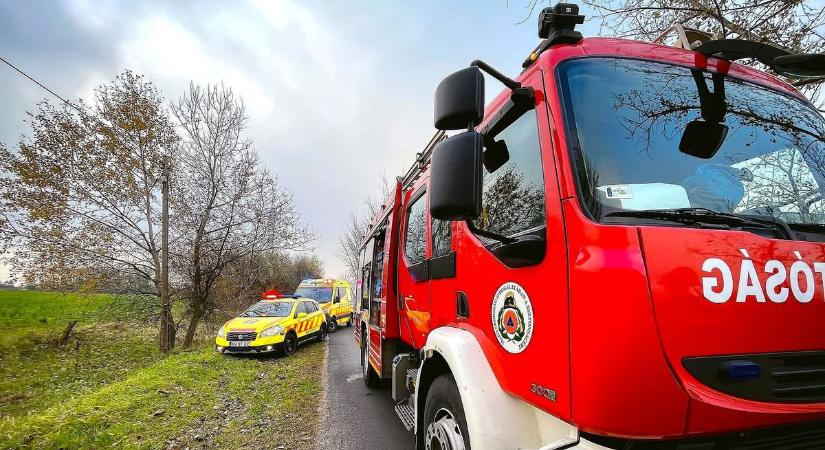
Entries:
{"x":357,"y":417}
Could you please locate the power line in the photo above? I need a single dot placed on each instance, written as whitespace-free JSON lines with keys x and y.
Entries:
{"x":20,"y":71}
{"x":46,"y":88}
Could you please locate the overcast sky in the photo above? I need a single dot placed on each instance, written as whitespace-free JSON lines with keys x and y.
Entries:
{"x":337,"y":93}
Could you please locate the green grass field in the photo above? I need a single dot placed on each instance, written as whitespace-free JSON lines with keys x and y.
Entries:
{"x":109,"y":386}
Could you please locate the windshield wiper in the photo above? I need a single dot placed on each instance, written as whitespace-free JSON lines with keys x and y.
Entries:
{"x":808,"y":227}
{"x":707,"y":216}
{"x":489,"y":234}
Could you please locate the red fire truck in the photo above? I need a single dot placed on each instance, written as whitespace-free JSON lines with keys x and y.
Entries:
{"x":625,"y":249}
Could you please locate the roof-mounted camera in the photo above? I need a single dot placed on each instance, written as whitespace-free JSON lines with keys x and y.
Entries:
{"x":557,"y":25}
{"x":560,"y":20}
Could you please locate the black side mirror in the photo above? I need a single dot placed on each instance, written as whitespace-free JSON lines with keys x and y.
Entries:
{"x":459,"y":100}
{"x":702,"y":139}
{"x":455,"y":177}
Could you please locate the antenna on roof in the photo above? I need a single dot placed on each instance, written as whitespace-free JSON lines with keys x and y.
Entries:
{"x":686,"y":38}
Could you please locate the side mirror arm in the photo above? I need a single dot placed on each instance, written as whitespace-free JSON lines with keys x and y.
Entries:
{"x":521,"y":100}
{"x":504,"y":79}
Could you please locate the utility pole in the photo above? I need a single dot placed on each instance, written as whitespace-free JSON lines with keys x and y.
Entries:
{"x":167,"y":330}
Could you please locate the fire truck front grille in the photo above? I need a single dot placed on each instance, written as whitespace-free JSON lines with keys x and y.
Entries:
{"x":800,"y":379}
{"x":241,"y":336}
{"x":793,"y":377}
{"x":808,"y":436}
{"x":804,"y":437}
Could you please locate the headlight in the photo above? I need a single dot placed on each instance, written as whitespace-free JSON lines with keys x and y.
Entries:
{"x":272,"y":331}
{"x":221,"y":332}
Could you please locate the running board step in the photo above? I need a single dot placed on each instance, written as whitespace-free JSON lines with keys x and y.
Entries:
{"x":406,"y":414}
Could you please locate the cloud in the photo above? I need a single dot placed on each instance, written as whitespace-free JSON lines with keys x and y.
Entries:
{"x":338,"y":93}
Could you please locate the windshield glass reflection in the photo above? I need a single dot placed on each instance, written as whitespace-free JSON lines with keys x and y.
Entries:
{"x":629,"y":117}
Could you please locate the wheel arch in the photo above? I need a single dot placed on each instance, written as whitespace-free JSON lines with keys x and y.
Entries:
{"x":432,"y":367}
{"x":515,"y":423}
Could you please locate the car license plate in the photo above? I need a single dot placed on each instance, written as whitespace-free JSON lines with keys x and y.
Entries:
{"x":238,"y":344}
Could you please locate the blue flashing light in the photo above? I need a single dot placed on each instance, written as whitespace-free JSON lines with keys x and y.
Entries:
{"x":740,"y":370}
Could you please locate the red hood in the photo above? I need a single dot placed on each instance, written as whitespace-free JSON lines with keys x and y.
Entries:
{"x":734,"y":293}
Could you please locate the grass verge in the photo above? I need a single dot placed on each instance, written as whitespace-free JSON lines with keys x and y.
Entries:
{"x":117,"y":390}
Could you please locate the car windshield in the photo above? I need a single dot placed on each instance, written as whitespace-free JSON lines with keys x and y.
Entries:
{"x":627,"y":119}
{"x":268,"y":309}
{"x":319,"y":294}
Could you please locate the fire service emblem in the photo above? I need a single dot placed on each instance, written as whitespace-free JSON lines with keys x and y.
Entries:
{"x":512,"y":316}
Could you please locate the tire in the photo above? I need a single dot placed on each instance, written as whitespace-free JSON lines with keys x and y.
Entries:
{"x":351,"y":320}
{"x":322,"y":332}
{"x":370,"y":377}
{"x":444,"y":426}
{"x":332,"y":324}
{"x":290,"y":344}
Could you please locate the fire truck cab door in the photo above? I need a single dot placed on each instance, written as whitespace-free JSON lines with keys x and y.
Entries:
{"x":517,"y":301}
{"x":413,"y":266}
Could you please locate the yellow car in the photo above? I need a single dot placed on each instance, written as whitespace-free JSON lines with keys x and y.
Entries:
{"x":279,"y":324}
{"x":335,"y":298}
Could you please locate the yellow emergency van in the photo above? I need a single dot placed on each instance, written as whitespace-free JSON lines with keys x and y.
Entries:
{"x":278,"y":324}
{"x":335,"y":298}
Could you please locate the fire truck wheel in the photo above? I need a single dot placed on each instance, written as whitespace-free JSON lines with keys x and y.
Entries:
{"x":289,"y":345}
{"x":332,"y":324}
{"x":445,"y":426}
{"x":370,"y":377}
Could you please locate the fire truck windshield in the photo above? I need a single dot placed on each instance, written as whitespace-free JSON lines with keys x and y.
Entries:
{"x":626,"y":119}
{"x":319,"y":294}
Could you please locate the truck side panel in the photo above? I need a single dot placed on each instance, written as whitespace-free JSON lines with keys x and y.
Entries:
{"x":617,"y":357}
{"x":377,"y":304}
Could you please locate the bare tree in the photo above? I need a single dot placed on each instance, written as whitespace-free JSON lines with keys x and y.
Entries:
{"x":80,"y":196}
{"x":241,"y":283}
{"x":350,"y":242}
{"x":793,"y":24}
{"x":303,"y":266}
{"x":227,"y":206}
{"x":357,"y":227}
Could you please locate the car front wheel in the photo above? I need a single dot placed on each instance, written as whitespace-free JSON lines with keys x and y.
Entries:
{"x":290,"y":344}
